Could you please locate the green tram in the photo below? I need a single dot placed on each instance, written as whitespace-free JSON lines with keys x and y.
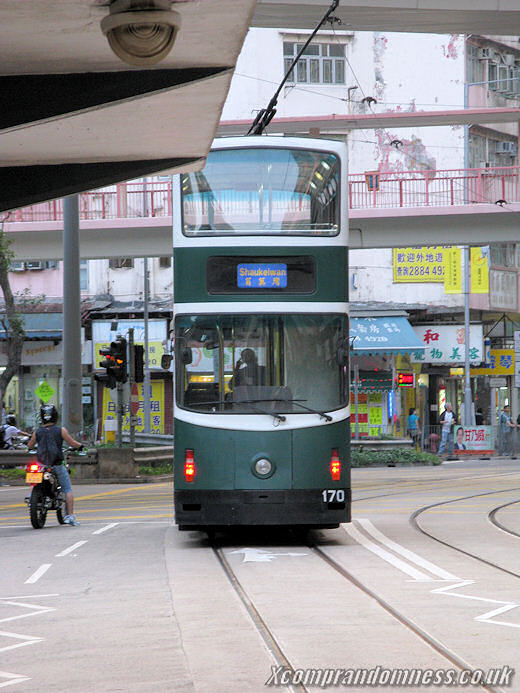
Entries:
{"x":261,"y":412}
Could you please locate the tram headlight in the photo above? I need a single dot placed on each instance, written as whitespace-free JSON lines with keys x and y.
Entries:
{"x":263,"y":467}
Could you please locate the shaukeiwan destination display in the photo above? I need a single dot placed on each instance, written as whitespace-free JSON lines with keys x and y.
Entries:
{"x":262,"y":275}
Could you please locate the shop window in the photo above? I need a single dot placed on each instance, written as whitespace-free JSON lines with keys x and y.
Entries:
{"x":165,"y":261}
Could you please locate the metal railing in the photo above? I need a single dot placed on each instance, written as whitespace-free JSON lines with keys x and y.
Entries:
{"x":434,"y":188}
{"x":379,"y":190}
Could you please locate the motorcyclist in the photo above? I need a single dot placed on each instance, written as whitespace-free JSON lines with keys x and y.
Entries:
{"x":49,"y":418}
{"x":11,"y":430}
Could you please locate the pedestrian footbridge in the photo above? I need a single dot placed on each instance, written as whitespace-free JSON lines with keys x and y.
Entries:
{"x":387,"y":209}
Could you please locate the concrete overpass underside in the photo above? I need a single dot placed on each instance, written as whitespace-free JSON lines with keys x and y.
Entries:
{"x":488,"y":17}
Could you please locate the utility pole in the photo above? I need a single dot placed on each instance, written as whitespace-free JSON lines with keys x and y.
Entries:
{"x":147,"y":393}
{"x":72,"y":416}
{"x":467,"y":378}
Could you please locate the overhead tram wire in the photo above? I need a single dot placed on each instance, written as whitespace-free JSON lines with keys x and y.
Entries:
{"x":265,"y":115}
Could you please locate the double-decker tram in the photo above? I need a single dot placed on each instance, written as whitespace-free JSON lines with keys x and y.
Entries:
{"x":261,"y":413}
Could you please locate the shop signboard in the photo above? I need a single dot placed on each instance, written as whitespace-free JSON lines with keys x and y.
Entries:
{"x":474,"y":439}
{"x":418,"y":264}
{"x":102,"y":335}
{"x":446,"y":344}
{"x":516,"y":337}
{"x":501,"y":362}
{"x":45,"y":353}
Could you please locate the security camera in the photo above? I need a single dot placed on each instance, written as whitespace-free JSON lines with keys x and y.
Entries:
{"x":141,"y":32}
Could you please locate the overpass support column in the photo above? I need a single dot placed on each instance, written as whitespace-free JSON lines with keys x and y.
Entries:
{"x":72,"y":406}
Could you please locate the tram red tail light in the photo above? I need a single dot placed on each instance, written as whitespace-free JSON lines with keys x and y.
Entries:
{"x":335,"y":465}
{"x":189,"y":466}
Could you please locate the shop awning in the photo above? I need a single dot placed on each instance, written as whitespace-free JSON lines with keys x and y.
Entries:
{"x":383,"y":335}
{"x":41,"y":326}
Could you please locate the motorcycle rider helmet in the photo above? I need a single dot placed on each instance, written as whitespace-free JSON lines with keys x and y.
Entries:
{"x":48,"y":414}
{"x":10,"y":420}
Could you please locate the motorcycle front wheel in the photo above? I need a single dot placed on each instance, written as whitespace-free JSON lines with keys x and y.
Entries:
{"x":37,"y":508}
{"x":60,"y":515}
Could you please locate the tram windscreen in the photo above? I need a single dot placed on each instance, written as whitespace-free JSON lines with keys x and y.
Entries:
{"x":261,"y":364}
{"x":263,"y":190}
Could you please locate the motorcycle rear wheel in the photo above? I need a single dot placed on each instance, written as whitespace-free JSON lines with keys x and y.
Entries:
{"x":37,"y":508}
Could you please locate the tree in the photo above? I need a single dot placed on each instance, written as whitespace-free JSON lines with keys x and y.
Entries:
{"x":10,"y":320}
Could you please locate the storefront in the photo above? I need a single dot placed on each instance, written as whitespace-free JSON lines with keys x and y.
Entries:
{"x":379,"y":392}
{"x":41,"y":367}
{"x":442,"y":363}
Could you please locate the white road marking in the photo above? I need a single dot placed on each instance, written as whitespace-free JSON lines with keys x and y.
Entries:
{"x":386,"y":555}
{"x":410,"y":555}
{"x":105,"y":528}
{"x":71,"y":548}
{"x":25,"y":640}
{"x":12,"y":678}
{"x":483,"y":618}
{"x":261,"y":556}
{"x":38,"y":573}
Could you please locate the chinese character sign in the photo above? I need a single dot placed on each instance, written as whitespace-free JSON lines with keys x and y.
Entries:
{"x":418,"y":264}
{"x":501,"y":362}
{"x":452,"y":271}
{"x":446,"y":344}
{"x":156,"y":408}
{"x":480,"y":270}
{"x":473,"y":439}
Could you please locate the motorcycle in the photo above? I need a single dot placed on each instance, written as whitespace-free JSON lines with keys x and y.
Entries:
{"x":46,"y":494}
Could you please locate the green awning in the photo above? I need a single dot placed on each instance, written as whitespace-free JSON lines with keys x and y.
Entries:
{"x":390,"y":335}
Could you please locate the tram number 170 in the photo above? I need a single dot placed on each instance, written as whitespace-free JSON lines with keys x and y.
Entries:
{"x":336,"y":495}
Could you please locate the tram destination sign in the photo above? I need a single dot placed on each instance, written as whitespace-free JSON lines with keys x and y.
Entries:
{"x":262,"y":275}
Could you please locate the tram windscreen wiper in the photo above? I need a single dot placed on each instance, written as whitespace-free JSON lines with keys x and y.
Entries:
{"x":274,"y":414}
{"x":321,"y":414}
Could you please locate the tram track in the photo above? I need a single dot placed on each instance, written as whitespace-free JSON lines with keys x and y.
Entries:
{"x":492,"y":518}
{"x":281,"y":658}
{"x":413,"y":627}
{"x":413,"y":519}
{"x":261,"y":626}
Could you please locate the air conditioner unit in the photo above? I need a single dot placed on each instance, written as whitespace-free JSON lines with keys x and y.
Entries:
{"x":486,"y":54}
{"x":509,"y":59}
{"x":510,"y":148}
{"x":37,"y":265}
{"x":17,"y":266}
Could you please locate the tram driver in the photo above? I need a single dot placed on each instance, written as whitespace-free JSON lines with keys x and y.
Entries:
{"x":247,"y":371}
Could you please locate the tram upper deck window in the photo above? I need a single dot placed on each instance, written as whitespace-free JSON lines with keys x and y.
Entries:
{"x":261,"y":364}
{"x":263,"y":191}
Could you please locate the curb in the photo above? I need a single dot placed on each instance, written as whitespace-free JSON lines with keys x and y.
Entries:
{"x":94,"y":482}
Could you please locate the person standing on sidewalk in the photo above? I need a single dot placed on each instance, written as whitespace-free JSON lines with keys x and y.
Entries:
{"x":447,"y":421}
{"x":505,"y":429}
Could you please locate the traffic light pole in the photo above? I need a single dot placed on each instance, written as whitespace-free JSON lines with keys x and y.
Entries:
{"x":131,"y":369}
{"x":119,"y":414}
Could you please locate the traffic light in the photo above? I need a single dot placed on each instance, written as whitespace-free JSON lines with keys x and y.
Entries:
{"x":108,"y":378}
{"x":118,"y":360}
{"x":138,"y":363}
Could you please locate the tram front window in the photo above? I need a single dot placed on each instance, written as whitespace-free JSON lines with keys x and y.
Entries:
{"x":261,"y":364}
{"x":263,"y":190}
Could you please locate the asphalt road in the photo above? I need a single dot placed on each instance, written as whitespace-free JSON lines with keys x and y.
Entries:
{"x":125,"y":602}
